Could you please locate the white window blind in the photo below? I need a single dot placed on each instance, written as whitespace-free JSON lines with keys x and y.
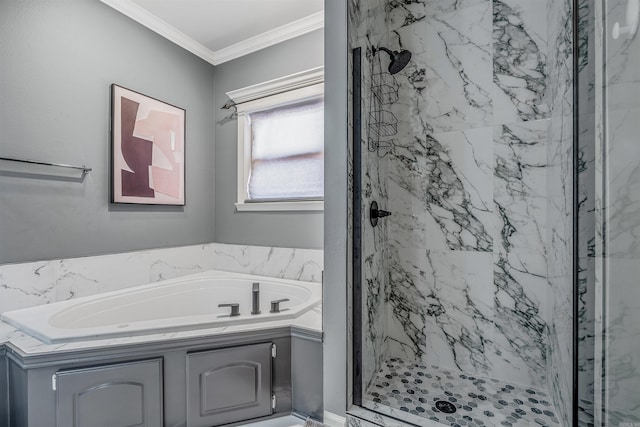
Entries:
{"x":287,"y":152}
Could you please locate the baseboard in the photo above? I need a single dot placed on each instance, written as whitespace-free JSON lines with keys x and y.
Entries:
{"x":333,"y":420}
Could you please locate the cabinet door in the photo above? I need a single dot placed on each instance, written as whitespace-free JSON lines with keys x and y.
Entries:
{"x":120,"y":395}
{"x":228,"y":385}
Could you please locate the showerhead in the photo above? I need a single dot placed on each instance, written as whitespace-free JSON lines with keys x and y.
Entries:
{"x":399,"y":60}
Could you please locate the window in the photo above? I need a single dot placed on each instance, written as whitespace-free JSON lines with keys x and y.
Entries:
{"x":281,"y":143}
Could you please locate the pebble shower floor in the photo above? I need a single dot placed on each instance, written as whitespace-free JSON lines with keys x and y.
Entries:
{"x":414,"y":388}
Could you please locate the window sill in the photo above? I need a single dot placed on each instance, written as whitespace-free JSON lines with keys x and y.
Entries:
{"x":305,"y":205}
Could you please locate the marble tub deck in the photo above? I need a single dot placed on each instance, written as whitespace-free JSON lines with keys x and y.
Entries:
{"x":24,"y":343}
{"x":409,"y":390}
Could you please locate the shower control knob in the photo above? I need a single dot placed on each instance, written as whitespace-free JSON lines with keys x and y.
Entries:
{"x":375,"y":213}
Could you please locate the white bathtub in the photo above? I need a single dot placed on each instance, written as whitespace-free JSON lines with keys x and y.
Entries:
{"x":184,"y":303}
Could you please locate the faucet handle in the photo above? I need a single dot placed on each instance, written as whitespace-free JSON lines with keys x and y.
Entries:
{"x":235,"y":308}
{"x":275,"y":305}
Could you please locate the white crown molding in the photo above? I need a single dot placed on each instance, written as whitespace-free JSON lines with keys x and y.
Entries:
{"x":149,"y":20}
{"x":281,"y":84}
{"x":269,"y":38}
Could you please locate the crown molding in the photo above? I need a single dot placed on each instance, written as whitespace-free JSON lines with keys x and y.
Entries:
{"x":149,"y":20}
{"x":269,"y":38}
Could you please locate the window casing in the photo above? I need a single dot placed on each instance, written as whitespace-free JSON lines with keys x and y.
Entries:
{"x":286,"y":175}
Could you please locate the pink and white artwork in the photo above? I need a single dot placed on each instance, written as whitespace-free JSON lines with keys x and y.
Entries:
{"x":147,"y":150}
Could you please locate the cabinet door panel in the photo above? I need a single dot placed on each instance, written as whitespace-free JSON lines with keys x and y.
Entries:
{"x":228,"y":385}
{"x":241,"y":387}
{"x":121,"y":395}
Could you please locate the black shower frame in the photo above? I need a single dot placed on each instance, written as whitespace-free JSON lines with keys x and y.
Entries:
{"x":356,"y":81}
{"x":575,"y":205}
{"x":356,"y":257}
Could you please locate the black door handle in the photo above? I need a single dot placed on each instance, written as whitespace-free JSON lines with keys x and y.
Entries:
{"x":375,"y":213}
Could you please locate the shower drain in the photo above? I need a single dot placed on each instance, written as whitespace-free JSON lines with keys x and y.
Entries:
{"x":446,"y":407}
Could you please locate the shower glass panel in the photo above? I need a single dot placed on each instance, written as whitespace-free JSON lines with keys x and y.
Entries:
{"x":463,"y":294}
{"x":609,"y":218}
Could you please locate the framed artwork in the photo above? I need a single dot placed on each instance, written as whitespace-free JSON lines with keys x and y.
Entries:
{"x":147,"y":150}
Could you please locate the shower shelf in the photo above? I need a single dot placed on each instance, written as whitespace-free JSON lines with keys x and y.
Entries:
{"x":383,"y":123}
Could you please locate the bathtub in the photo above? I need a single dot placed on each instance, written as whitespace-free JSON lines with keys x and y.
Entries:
{"x":184,"y":303}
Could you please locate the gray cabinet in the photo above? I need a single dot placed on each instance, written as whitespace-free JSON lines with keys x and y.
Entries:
{"x":228,"y":385}
{"x":4,"y":391}
{"x":199,"y":381}
{"x":120,"y":395}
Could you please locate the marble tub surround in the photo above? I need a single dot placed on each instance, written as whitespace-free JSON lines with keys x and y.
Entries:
{"x":474,"y":163}
{"x":29,"y":284}
{"x":283,"y":263}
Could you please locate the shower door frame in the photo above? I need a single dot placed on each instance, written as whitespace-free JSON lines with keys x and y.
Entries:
{"x":356,"y":297}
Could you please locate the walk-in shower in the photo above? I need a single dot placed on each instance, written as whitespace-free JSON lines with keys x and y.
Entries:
{"x":497,"y":288}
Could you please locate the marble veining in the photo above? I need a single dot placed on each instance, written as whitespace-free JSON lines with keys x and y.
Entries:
{"x":449,"y":177}
{"x":14,"y":291}
{"x":29,"y":284}
{"x":559,"y":201}
{"x":474,"y":167}
{"x":458,"y":71}
{"x":520,"y":187}
{"x":285,"y":263}
{"x":519,"y":61}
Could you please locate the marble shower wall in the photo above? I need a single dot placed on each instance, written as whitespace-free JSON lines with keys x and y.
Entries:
{"x":464,"y":169}
{"x":560,"y":206}
{"x":29,"y":284}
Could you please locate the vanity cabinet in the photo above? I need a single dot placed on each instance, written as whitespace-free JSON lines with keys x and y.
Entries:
{"x":229,"y":385}
{"x":193,"y":382}
{"x":125,"y":394}
{"x":4,"y":390}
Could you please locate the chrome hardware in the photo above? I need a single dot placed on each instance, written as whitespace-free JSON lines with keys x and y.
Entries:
{"x":275,"y":305}
{"x":235,"y":308}
{"x":85,"y":170}
{"x":255,"y":298}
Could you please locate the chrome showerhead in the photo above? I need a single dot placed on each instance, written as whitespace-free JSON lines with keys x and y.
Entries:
{"x":399,"y":60}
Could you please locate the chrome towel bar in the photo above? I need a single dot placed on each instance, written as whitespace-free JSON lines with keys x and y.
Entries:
{"x":84,"y":169}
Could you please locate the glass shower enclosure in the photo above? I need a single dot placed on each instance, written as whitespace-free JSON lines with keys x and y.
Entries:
{"x":493,"y":246}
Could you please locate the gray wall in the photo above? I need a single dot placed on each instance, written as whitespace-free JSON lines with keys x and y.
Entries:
{"x":334,"y":310}
{"x":58,"y":61}
{"x":288,"y":229}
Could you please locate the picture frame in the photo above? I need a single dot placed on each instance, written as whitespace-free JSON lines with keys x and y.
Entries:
{"x":147,"y":149}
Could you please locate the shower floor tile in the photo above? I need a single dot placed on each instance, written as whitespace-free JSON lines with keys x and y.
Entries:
{"x":408,"y":388}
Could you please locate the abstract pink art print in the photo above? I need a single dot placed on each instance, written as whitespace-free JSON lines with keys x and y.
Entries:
{"x":147,"y":150}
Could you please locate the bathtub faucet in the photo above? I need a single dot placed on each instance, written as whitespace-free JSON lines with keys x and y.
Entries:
{"x":255,"y":300}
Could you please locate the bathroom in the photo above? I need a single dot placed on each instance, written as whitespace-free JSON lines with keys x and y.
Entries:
{"x":504,"y":155}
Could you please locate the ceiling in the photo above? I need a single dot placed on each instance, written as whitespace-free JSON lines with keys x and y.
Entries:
{"x":219,"y":30}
